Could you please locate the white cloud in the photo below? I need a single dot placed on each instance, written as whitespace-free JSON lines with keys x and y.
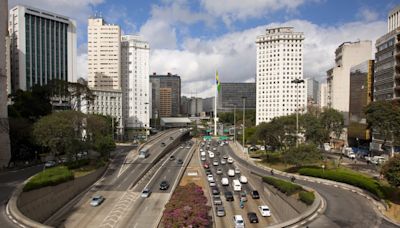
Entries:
{"x":159,"y":34}
{"x":234,"y":54}
{"x":82,"y":68}
{"x":367,"y":14}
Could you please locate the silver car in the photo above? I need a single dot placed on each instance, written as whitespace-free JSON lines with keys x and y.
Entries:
{"x":96,"y":201}
{"x":220,"y":211}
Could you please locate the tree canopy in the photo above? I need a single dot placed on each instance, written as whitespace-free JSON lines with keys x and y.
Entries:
{"x":391,"y":171}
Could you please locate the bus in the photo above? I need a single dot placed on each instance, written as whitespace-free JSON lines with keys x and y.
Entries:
{"x":237,"y":187}
{"x":144,"y":153}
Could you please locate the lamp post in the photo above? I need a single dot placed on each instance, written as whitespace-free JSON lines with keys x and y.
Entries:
{"x":297,"y":82}
{"x":112,"y":118}
{"x":234,"y":124}
{"x":145,"y":127}
{"x":244,"y":114}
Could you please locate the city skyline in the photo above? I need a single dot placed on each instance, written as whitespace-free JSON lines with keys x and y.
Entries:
{"x":208,"y":35}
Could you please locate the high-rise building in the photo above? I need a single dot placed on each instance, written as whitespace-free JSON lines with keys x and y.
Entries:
{"x":232,"y":95}
{"x":104,"y":54}
{"x":348,"y":54}
{"x":312,"y":86}
{"x":135,"y":83}
{"x":393,"y":21}
{"x":4,"y":133}
{"x":279,"y":63}
{"x":43,"y":47}
{"x":173,"y":98}
{"x":323,"y":95}
{"x":361,"y":94}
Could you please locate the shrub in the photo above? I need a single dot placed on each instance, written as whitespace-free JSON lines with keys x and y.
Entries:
{"x":272,"y":157}
{"x":49,"y":177}
{"x":77,"y":164}
{"x":307,"y":197}
{"x":347,"y":177}
{"x":283,"y":186}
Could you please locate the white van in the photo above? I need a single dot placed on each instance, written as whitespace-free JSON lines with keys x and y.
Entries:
{"x":224,"y":181}
{"x":237,"y":186}
{"x":231,"y":172}
{"x":202,"y":153}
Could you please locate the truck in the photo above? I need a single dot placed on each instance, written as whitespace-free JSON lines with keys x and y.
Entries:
{"x":327,"y":147}
{"x":144,"y":153}
{"x":237,"y":186}
{"x":348,"y":152}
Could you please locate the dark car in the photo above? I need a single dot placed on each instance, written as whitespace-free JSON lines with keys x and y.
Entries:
{"x":172,"y":158}
{"x":215,"y":191}
{"x":252,"y":217}
{"x":229,"y":196}
{"x":255,"y":195}
{"x":164,"y":185}
{"x":208,"y":172}
{"x":171,"y":138}
{"x":163,"y":144}
{"x":180,"y":161}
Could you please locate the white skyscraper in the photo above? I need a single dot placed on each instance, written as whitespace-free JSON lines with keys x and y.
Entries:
{"x":323,"y":95}
{"x":104,"y":54}
{"x":279,"y":62}
{"x":135,"y":82}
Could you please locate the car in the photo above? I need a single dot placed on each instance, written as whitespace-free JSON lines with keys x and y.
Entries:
{"x":146,"y":193}
{"x":215,"y":163}
{"x":243,"y":179}
{"x":203,"y":153}
{"x":211,"y":155}
{"x":252,"y":217}
{"x":237,"y":171}
{"x":238,"y":221}
{"x":225,"y":157}
{"x":264,"y":211}
{"x":220,"y":211}
{"x":217,"y":200}
{"x":180,"y":162}
{"x":50,"y":164}
{"x":172,"y":158}
{"x":182,"y":147}
{"x":229,"y":196}
{"x":210,"y":177}
{"x":230,"y":160}
{"x":219,"y":171}
{"x":96,"y":201}
{"x":212,"y":183}
{"x":225,"y":181}
{"x":171,"y":138}
{"x":243,"y":197}
{"x":223,"y":162}
{"x":206,"y":166}
{"x":202,"y":158}
{"x":164,"y":185}
{"x":255,"y":195}
{"x":231,"y":173}
{"x":208,"y":172}
{"x":214,"y":149}
{"x":215,"y":191}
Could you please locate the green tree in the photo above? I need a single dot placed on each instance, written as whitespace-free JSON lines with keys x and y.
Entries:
{"x":302,"y":155}
{"x":391,"y":171}
{"x":104,"y":144}
{"x":333,"y":121}
{"x":313,"y":130}
{"x":383,"y":117}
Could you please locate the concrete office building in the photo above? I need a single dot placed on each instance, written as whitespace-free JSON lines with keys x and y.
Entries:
{"x":393,"y":21}
{"x":312,"y":86}
{"x":4,"y":126}
{"x":135,"y":84}
{"x":279,"y":62}
{"x":104,"y":54}
{"x":361,"y":94}
{"x":323,"y":95}
{"x":165,"y":83}
{"x":348,"y":54}
{"x":231,"y":95}
{"x":43,"y":47}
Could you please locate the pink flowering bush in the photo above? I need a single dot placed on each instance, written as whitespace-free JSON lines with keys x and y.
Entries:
{"x":187,"y":208}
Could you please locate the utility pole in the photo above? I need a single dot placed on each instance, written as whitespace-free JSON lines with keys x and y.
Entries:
{"x":234,"y":124}
{"x":244,"y":114}
{"x":297,"y":82}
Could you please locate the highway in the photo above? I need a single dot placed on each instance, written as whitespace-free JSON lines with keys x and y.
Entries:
{"x":343,"y":209}
{"x":117,"y":186}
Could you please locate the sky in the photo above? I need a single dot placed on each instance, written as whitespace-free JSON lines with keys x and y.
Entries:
{"x":194,"y":38}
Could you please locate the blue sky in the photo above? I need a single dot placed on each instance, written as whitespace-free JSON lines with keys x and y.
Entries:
{"x":194,"y":37}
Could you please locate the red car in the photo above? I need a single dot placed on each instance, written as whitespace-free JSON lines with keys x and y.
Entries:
{"x":206,"y":166}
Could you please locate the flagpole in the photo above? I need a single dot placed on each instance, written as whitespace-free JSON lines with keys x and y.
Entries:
{"x":215,"y":104}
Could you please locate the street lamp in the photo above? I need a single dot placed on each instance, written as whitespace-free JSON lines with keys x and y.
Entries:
{"x":297,"y":82}
{"x":112,"y":117}
{"x":145,"y":127}
{"x":234,"y":124}
{"x":244,"y":113}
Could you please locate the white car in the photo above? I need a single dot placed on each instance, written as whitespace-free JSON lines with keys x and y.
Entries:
{"x":145,"y":193}
{"x":231,"y":173}
{"x":243,"y":179}
{"x":219,"y":171}
{"x":203,"y":158}
{"x":264,"y":211}
{"x":203,"y":153}
{"x":214,"y":149}
{"x":230,"y":160}
{"x":224,"y":181}
{"x":238,"y":221}
{"x":223,"y":162}
{"x":237,"y":171}
{"x":212,"y":183}
{"x":211,"y":155}
{"x":210,"y":178}
{"x":215,"y":163}
{"x":96,"y":201}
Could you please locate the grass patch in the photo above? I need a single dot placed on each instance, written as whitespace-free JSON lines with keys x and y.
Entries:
{"x":307,"y":197}
{"x":77,"y":164}
{"x":49,"y":177}
{"x":283,"y":186}
{"x":347,"y":177}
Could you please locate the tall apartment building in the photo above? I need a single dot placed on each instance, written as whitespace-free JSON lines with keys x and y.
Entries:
{"x":168,"y":82}
{"x":312,"y":86}
{"x":135,"y":83}
{"x":279,"y":62}
{"x":4,"y":126}
{"x":361,"y":94}
{"x":348,"y":54}
{"x":233,"y":94}
{"x":43,"y":47}
{"x":323,"y":95}
{"x":104,"y":54}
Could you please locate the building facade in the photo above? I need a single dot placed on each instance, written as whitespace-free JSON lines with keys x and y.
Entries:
{"x":135,"y":83}
{"x":279,"y":63}
{"x":104,"y":54}
{"x":361,"y":94}
{"x":393,"y":21}
{"x":312,"y":86}
{"x":323,"y":95}
{"x":348,"y":54}
{"x":4,"y":126}
{"x":43,"y":47}
{"x":233,"y":94}
{"x":168,"y":82}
